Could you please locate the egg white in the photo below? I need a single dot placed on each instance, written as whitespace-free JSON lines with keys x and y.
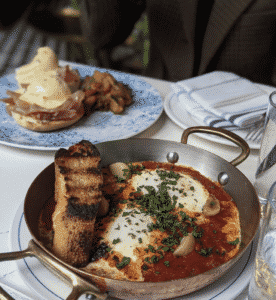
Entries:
{"x":130,"y":229}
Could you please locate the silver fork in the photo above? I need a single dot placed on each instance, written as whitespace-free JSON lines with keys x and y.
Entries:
{"x":255,"y":134}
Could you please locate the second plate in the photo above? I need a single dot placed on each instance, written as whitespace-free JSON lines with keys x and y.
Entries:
{"x":100,"y":126}
{"x":175,"y":111}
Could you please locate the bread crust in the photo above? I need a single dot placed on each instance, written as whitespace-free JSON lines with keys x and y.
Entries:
{"x":44,"y":126}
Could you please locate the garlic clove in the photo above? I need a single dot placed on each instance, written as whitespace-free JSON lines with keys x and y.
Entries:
{"x":186,"y":246}
{"x":211,"y":207}
{"x":117,"y":169}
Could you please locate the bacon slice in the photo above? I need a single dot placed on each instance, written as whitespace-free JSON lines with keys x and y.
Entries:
{"x":71,"y":77}
{"x":67,"y":111}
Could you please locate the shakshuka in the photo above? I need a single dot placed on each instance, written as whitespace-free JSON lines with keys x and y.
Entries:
{"x":164,"y":222}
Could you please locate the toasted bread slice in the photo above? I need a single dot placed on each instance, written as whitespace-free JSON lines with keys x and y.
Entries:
{"x":78,"y":184}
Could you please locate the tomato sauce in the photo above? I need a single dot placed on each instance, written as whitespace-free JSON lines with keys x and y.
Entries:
{"x":218,"y":230}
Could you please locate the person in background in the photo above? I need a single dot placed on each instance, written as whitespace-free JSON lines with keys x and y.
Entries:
{"x":36,"y":12}
{"x":191,"y":37}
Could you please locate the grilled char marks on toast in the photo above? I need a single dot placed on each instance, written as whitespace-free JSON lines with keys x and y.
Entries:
{"x":82,"y":149}
{"x":82,"y":211}
{"x":78,"y":194}
{"x":64,"y":170}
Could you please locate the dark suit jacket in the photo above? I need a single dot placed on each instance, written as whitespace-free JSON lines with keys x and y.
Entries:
{"x":240,"y":36}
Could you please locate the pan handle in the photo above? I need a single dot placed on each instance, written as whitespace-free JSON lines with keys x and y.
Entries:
{"x":222,"y":133}
{"x":12,"y":256}
{"x":80,"y":285}
{"x":4,"y":295}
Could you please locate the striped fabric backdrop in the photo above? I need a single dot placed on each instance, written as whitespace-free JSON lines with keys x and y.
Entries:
{"x":19,"y":45}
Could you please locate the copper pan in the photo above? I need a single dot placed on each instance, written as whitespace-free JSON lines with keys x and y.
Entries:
{"x":133,"y":149}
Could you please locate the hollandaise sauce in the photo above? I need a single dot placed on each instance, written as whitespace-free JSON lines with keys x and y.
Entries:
{"x":40,"y":81}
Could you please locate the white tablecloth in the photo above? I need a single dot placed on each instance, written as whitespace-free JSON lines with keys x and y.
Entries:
{"x":19,"y":167}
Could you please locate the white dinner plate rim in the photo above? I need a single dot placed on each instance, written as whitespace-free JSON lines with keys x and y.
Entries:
{"x":183,"y":119}
{"x":13,"y":135}
{"x":233,"y":283}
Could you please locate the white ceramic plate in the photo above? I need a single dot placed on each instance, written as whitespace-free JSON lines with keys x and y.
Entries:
{"x":175,"y":111}
{"x":100,"y":126}
{"x":50,"y":287}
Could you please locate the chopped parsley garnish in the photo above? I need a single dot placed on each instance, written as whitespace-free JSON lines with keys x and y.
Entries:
{"x":160,"y":205}
{"x":164,"y":175}
{"x":133,"y":169}
{"x":151,"y":248}
{"x":198,"y":234}
{"x":184,"y":216}
{"x":120,"y":191}
{"x":132,"y":235}
{"x":126,"y":214}
{"x":119,"y":179}
{"x":145,"y":267}
{"x":234,"y":242}
{"x":205,"y":251}
{"x":157,"y":203}
{"x":170,"y":241}
{"x":167,"y":263}
{"x":154,"y":259}
{"x":116,"y":241}
{"x":150,"y":227}
{"x":125,"y":261}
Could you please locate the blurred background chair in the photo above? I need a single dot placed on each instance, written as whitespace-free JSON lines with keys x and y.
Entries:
{"x":57,"y":25}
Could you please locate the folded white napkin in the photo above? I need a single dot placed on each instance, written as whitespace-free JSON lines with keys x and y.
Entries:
{"x":222,"y":99}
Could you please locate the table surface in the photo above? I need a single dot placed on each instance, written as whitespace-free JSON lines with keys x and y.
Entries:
{"x":19,"y":167}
